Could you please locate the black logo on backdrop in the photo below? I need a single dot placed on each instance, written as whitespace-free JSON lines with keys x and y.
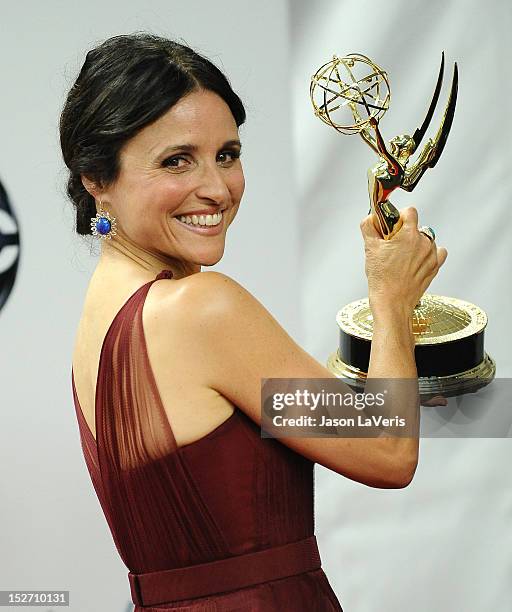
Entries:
{"x":9,"y":247}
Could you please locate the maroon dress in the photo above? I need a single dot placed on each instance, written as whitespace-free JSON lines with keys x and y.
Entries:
{"x":224,"y":523}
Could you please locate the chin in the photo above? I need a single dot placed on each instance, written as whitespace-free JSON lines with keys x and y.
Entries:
{"x":211,"y":261}
{"x":209,"y":258}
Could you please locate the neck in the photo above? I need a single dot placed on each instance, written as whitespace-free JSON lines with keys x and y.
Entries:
{"x":119,"y":252}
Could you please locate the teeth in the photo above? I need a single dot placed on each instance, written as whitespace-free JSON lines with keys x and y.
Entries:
{"x":202,"y":219}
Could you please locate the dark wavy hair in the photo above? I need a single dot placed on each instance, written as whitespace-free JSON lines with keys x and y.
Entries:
{"x":126,"y":83}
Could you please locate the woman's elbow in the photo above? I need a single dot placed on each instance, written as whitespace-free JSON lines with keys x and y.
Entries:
{"x":392,"y":477}
{"x":403,"y":472}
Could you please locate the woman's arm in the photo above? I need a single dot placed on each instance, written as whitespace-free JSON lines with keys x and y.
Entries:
{"x":233,"y":342}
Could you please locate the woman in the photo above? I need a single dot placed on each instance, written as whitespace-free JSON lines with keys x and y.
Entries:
{"x":168,"y":359}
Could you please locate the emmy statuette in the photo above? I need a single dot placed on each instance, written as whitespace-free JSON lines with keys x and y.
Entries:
{"x":351,"y":94}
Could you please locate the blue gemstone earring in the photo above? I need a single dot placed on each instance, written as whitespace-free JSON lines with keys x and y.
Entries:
{"x":103,"y":225}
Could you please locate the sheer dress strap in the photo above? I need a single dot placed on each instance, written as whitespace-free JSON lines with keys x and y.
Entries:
{"x":133,"y":427}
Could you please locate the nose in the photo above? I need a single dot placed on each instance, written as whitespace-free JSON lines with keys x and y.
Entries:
{"x":212,"y":185}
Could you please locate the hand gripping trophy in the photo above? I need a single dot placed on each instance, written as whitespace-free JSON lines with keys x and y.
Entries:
{"x":449,"y":332}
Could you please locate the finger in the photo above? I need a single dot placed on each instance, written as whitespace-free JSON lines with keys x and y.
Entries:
{"x":431,"y":271}
{"x":428,"y":266}
{"x":437,"y":400}
{"x":442,"y":254}
{"x":427,"y":255}
{"x":368,"y":228}
{"x":409,"y":216}
{"x":429,"y":276}
{"x":430,"y":241}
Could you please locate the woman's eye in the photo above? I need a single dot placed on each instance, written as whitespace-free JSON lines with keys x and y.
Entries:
{"x":178,"y":161}
{"x":228,"y":157}
{"x":181,"y":162}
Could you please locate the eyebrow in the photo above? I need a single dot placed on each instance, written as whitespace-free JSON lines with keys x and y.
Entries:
{"x":191,"y":148}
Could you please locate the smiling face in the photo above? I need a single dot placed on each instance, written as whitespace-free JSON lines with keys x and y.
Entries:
{"x":173,"y":174}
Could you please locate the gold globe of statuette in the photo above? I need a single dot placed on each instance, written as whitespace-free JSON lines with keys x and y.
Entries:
{"x":351,"y":94}
{"x":347,"y":92}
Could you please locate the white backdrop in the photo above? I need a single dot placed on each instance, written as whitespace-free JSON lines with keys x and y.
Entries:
{"x":444,"y":543}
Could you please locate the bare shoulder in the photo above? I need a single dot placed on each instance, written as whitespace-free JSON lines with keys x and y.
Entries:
{"x":207,"y":298}
{"x":222,"y":291}
{"x":198,"y":311}
{"x":230,"y":336}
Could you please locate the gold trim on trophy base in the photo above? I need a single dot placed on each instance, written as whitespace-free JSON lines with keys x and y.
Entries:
{"x":437,"y":319}
{"x":448,"y":386}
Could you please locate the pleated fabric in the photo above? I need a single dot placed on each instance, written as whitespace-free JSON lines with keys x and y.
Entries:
{"x":229,"y":493}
